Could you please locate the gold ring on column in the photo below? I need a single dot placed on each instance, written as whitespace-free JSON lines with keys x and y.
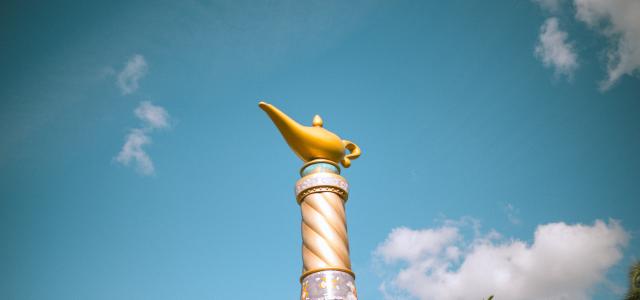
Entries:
{"x":321,"y":182}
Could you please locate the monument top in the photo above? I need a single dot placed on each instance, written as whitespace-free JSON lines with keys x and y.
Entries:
{"x":312,"y":142}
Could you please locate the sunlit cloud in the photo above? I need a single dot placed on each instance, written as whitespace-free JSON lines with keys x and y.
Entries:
{"x":563,"y":261}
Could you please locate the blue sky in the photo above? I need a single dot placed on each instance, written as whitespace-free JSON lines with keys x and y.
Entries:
{"x":135,"y":163}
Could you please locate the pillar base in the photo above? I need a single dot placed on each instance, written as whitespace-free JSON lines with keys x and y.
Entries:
{"x":329,"y":285}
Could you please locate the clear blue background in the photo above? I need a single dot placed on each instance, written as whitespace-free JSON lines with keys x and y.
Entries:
{"x":455,"y":116}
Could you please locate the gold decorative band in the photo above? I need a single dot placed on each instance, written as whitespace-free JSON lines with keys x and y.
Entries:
{"x":321,"y":182}
{"x":320,"y":189}
{"x":305,"y":274}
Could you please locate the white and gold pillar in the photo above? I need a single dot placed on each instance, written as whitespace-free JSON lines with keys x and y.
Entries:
{"x":321,"y":194}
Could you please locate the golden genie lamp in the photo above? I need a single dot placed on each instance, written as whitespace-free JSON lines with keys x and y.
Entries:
{"x":321,"y":194}
{"x":312,"y":142}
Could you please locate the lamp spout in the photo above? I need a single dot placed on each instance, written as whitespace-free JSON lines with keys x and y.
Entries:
{"x":288,"y":127}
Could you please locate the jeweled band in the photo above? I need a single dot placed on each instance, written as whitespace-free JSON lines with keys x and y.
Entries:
{"x":328,"y":285}
{"x":319,"y":182}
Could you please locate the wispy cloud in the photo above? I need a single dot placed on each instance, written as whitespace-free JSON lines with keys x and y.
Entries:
{"x":134,"y":70}
{"x":153,"y":117}
{"x":619,"y":20}
{"x":549,"y":5}
{"x":554,"y":50}
{"x":132,"y":151}
{"x":512,"y":214}
{"x":563,"y":262}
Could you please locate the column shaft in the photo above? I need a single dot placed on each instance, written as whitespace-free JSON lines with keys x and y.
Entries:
{"x":326,"y":271}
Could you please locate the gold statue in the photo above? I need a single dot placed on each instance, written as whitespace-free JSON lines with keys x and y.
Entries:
{"x":312,"y":142}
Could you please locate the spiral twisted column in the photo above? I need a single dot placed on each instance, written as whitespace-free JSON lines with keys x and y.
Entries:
{"x":326,"y":272}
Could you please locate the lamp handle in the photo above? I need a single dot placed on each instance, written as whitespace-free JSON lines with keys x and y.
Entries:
{"x":354,"y":152}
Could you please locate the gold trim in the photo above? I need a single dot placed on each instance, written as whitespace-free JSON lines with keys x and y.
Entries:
{"x":320,"y":189}
{"x":307,"y":273}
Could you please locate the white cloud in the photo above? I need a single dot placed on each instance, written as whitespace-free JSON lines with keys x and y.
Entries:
{"x":423,"y":242}
{"x":554,"y":50}
{"x":133,"y":71}
{"x":132,"y":152}
{"x":153,"y":116}
{"x":619,"y":20}
{"x":563,"y":262}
